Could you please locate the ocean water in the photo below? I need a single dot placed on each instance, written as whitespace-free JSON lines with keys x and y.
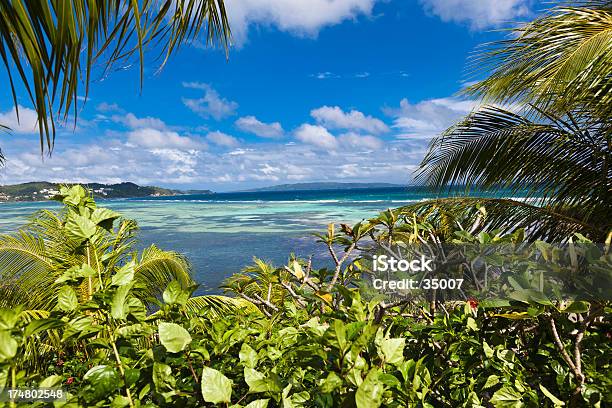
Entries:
{"x":221,"y":233}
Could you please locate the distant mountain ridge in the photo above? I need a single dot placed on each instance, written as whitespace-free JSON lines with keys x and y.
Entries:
{"x":324,"y":186}
{"x":43,"y":190}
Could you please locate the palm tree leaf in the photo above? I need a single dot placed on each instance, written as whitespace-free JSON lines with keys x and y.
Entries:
{"x":219,"y":306}
{"x":42,"y":43}
{"x":497,"y":149}
{"x":559,"y":62}
{"x":506,"y":215}
{"x":157,"y":268}
{"x":26,"y":272}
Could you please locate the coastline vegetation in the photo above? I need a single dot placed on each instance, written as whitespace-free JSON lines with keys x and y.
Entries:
{"x":83,"y":311}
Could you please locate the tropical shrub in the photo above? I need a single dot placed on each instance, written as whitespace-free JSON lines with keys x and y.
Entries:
{"x":312,"y":337}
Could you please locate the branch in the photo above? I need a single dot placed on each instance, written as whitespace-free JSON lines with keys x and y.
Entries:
{"x":297,"y":297}
{"x":339,"y":265}
{"x":563,"y":352}
{"x":259,"y":302}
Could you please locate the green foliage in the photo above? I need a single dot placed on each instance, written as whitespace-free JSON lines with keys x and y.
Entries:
{"x":124,"y":330}
{"x":305,"y":342}
{"x":544,"y":128}
{"x":52,"y":48}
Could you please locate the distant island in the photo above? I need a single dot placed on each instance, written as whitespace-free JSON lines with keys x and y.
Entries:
{"x":324,"y":186}
{"x":41,"y":191}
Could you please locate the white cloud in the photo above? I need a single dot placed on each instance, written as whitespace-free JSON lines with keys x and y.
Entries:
{"x":317,"y":136}
{"x":428,"y":118}
{"x":155,"y":138}
{"x":130,"y":120}
{"x":356,"y":141}
{"x":252,"y":125}
{"x":325,"y":75}
{"x":114,"y":158}
{"x":333,"y":117}
{"x":211,"y":104}
{"x":478,"y":14}
{"x":27,"y":122}
{"x":108,"y":107}
{"x":171,"y":157}
{"x":299,"y":17}
{"x":222,"y":139}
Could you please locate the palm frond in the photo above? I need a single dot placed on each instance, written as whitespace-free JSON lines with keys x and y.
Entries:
{"x":157,"y":268}
{"x":554,"y":225}
{"x":218,"y":306}
{"x":560,"y":62}
{"x":2,"y":158}
{"x":560,"y":164}
{"x":51,"y":47}
{"x":26,"y":272}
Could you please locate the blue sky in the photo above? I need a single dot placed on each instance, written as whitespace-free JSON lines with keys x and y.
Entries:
{"x":313,"y":90}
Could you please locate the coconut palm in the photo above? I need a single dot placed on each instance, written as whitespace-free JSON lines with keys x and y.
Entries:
{"x":51,"y":47}
{"x":86,"y":241}
{"x":559,"y":62}
{"x":554,"y":142}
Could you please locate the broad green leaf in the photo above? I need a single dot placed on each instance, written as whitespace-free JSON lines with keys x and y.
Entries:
{"x":135,"y":330}
{"x":103,"y":379}
{"x":136,"y":308}
{"x":120,"y":401}
{"x":104,"y":217}
{"x":132,"y":375}
{"x":393,"y":350}
{"x":339,"y":333}
{"x":124,"y":275}
{"x":216,"y":387}
{"x":76,"y":272}
{"x":79,"y":327}
{"x":576,"y":307}
{"x":258,"y":382}
{"x":260,"y":403}
{"x":80,"y":227}
{"x":389,"y":380}
{"x":529,"y":296}
{"x":163,"y":380}
{"x":50,"y":382}
{"x":73,"y":195}
{"x":67,"y":299}
{"x":8,"y":346}
{"x":297,"y":400}
{"x":471,"y":323}
{"x":119,"y":305}
{"x":38,"y":325}
{"x":248,"y":356}
{"x":173,"y":337}
{"x":489,"y":352}
{"x":330,"y":383}
{"x":506,"y":397}
{"x":514,"y":315}
{"x":296,"y":270}
{"x":492,"y":380}
{"x":175,"y":294}
{"x":370,"y":392}
{"x":8,"y":318}
{"x":555,"y":400}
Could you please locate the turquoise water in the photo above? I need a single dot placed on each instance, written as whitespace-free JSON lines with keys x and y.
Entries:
{"x":221,"y":233}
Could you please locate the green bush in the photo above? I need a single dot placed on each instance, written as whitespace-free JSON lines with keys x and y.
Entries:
{"x":305,"y":337}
